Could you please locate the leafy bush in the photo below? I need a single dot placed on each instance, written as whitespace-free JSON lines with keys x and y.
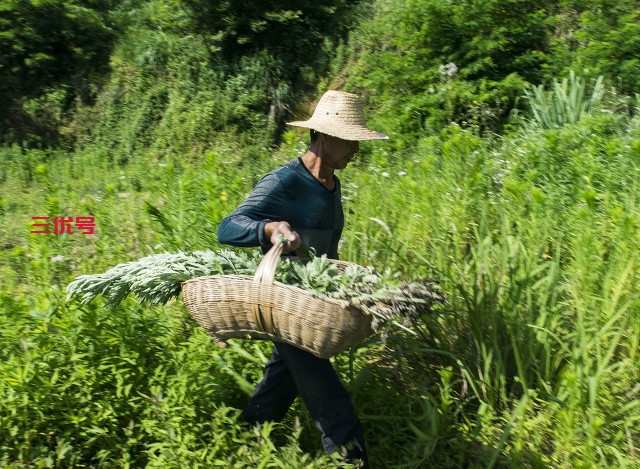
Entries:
{"x":50,"y":54}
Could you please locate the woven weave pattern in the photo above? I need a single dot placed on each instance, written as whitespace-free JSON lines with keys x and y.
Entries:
{"x":236,"y":306}
{"x":341,"y":115}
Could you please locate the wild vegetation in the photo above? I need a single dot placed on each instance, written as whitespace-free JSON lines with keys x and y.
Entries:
{"x":512,"y":174}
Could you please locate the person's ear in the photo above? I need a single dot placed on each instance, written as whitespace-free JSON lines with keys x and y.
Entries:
{"x":322,"y":139}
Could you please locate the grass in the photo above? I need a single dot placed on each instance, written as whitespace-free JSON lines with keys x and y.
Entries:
{"x":533,"y":364}
{"x":543,"y":276}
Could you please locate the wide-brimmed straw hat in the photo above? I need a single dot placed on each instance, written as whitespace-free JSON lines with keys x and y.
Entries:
{"x":340,"y":114}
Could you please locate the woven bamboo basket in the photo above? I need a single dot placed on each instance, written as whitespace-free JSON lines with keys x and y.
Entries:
{"x":239,"y":306}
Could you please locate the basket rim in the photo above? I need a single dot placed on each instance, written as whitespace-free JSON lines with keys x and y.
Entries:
{"x":344,"y":304}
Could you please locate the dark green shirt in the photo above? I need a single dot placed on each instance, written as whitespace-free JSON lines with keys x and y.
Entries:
{"x":289,"y":193}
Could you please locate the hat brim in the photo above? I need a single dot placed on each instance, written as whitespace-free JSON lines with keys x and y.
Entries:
{"x":341,"y":130}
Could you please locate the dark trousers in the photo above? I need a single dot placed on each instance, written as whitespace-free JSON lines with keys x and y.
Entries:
{"x":290,"y":371}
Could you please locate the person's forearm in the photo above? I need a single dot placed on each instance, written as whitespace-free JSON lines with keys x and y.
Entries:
{"x":242,"y":232}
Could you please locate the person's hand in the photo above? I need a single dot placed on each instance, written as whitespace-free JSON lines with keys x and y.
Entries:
{"x":279,"y":231}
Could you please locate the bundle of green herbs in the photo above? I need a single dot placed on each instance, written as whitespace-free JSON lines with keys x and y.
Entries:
{"x":156,"y":279}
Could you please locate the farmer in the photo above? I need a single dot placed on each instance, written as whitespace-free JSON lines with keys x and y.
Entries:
{"x":300,"y":203}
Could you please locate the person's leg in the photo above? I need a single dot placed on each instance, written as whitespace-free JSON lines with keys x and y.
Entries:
{"x":274,"y":394}
{"x":327,"y":400}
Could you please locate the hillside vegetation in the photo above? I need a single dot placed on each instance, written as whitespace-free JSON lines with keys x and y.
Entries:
{"x":512,"y":174}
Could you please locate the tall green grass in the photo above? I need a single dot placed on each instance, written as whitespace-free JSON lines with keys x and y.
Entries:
{"x":534,"y":363}
{"x":542,"y":274}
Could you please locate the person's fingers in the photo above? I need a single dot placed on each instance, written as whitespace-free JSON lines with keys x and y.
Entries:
{"x":291,"y":238}
{"x":277,"y":231}
{"x":294,"y":241}
{"x":281,"y":233}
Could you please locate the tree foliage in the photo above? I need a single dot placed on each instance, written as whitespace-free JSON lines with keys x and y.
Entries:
{"x":55,"y":53}
{"x":175,"y":75}
{"x":433,"y":62}
{"x":47,"y":45}
{"x":603,"y":37}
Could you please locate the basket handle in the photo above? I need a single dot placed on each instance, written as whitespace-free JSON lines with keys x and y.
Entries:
{"x":264,"y":275}
{"x":266,"y":270}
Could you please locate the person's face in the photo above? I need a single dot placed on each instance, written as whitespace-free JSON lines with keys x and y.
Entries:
{"x":338,"y":153}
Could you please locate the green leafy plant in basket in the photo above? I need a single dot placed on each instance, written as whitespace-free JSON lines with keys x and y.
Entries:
{"x":156,"y":279}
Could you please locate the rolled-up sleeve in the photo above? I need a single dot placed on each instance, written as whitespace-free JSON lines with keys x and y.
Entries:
{"x":244,"y":227}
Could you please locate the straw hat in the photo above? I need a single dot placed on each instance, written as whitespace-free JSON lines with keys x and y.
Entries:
{"x":340,"y":114}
